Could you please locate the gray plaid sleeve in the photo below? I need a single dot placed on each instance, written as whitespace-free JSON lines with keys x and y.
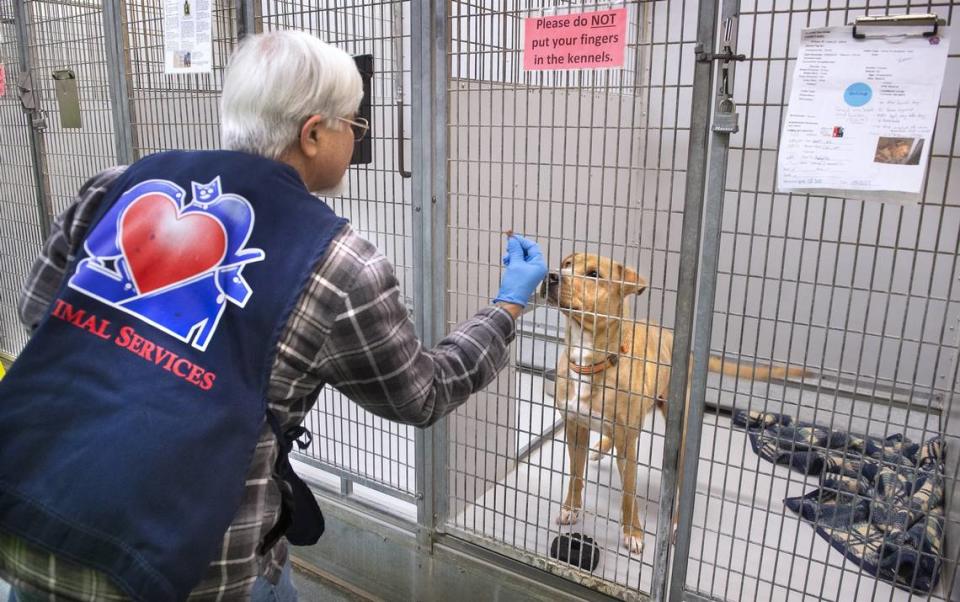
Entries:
{"x":68,"y":230}
{"x":374,"y":357}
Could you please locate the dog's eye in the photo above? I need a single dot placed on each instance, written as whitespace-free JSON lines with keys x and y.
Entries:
{"x":592,"y":274}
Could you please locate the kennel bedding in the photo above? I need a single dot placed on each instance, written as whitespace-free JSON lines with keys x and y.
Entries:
{"x":879,"y":500}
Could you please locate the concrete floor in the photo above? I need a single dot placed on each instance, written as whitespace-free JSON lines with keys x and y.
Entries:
{"x":745,"y":546}
{"x":314,"y":589}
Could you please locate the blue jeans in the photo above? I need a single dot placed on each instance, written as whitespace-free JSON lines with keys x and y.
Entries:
{"x":16,"y":596}
{"x":283,"y":591}
{"x":263,"y":590}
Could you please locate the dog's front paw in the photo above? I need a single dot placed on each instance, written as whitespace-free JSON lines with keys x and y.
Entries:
{"x":568,"y":516}
{"x":633,"y":542}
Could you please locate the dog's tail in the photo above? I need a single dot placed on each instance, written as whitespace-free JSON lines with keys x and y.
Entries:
{"x":758,"y":372}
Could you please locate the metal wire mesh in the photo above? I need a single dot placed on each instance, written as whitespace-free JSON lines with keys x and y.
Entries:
{"x":173,"y":111}
{"x":182,"y":112}
{"x":19,"y":217}
{"x":860,"y":293}
{"x":70,"y":36}
{"x":348,"y":440}
{"x":59,"y":36}
{"x":590,"y":162}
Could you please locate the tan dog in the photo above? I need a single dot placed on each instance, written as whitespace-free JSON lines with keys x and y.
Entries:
{"x":612,"y":374}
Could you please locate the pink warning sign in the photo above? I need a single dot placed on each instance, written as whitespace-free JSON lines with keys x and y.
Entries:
{"x":594,"y":40}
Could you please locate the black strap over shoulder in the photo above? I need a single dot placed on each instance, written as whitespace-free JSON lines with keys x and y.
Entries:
{"x":300,"y":517}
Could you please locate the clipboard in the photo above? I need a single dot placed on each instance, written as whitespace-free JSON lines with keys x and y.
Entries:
{"x":845,"y":136}
{"x":926,"y":20}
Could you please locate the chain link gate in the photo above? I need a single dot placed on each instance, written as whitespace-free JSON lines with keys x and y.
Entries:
{"x":582,"y":161}
{"x":20,"y":217}
{"x":860,"y":294}
{"x":619,"y":163}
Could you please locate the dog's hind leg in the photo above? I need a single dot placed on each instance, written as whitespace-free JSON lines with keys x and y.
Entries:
{"x":602,"y":448}
{"x":626,"y":446}
{"x":578,"y":441}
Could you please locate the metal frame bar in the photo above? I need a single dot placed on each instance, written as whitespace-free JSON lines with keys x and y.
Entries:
{"x":439,"y":433}
{"x":246,"y":18}
{"x":423,"y":273}
{"x":951,"y":415}
{"x":694,"y":597}
{"x":351,"y":478}
{"x":703,"y":330}
{"x":37,"y":146}
{"x":686,"y":293}
{"x":429,"y":142}
{"x":118,"y":77}
{"x":74,"y":3}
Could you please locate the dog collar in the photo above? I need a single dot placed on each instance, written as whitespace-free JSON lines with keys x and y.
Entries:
{"x":607,"y":362}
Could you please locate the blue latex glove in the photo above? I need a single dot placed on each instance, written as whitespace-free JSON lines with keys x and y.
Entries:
{"x":525,"y":270}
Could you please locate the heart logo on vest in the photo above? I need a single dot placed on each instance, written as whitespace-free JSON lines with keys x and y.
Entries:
{"x":163,"y":246}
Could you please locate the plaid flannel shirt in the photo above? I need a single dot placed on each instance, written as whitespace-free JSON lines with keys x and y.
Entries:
{"x":349,"y":330}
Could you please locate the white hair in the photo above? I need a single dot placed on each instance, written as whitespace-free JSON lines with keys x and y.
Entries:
{"x":275,"y":81}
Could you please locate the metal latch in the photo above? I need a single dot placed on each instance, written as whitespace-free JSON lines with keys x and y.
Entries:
{"x":28,"y":99}
{"x":726,"y":120}
{"x":726,"y":56}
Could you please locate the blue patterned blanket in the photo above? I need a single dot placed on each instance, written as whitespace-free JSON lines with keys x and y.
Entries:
{"x":880,"y":501}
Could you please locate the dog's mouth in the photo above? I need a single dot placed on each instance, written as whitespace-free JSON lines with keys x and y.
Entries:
{"x":551,"y":292}
{"x":548,"y":292}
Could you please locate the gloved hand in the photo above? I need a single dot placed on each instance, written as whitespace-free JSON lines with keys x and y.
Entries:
{"x":526,"y":267}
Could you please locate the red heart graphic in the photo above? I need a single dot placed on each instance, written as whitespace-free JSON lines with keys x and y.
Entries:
{"x":163,"y":247}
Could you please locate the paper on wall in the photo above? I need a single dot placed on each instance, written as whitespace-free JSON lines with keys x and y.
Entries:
{"x":862,"y":114}
{"x":187,"y":36}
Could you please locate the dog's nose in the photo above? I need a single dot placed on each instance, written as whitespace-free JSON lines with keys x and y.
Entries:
{"x":553,"y":278}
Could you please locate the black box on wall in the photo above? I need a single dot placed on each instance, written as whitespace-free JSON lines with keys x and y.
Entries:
{"x":363,"y":150}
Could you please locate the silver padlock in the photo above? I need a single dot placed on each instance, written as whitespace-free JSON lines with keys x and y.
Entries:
{"x":726,"y":120}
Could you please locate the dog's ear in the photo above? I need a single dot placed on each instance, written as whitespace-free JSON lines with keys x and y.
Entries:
{"x":633,"y":283}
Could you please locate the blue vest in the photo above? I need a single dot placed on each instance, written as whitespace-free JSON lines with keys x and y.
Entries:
{"x":129,"y":421}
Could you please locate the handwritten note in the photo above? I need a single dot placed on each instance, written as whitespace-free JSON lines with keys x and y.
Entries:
{"x":861,"y":114}
{"x":592,"y":40}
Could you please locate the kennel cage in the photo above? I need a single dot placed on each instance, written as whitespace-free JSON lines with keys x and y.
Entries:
{"x":467,"y":145}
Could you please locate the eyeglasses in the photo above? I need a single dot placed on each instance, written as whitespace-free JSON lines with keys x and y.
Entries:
{"x":360,"y":127}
